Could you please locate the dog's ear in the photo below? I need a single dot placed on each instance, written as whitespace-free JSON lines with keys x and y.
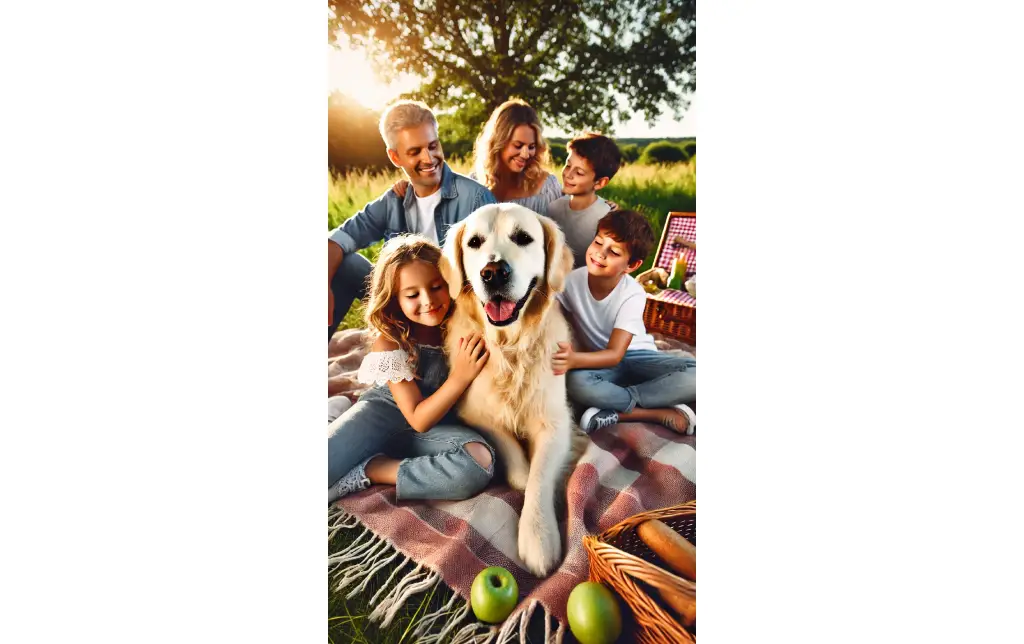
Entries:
{"x":557,"y":256}
{"x":451,"y":260}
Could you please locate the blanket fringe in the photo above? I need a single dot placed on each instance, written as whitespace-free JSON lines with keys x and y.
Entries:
{"x":368,"y":575}
{"x":364,"y":568}
{"x":369,"y":554}
{"x":338,"y":519}
{"x":469,"y":634}
{"x":418,"y":581}
{"x":356,"y":549}
{"x":420,"y":636}
{"x":391,"y":577}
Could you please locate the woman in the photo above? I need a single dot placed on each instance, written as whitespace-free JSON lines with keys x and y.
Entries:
{"x":510,"y":155}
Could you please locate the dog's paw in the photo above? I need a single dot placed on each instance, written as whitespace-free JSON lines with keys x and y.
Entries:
{"x":517,"y":476}
{"x":540,"y":545}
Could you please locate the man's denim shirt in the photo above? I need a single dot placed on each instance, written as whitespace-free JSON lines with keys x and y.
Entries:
{"x":385,"y":217}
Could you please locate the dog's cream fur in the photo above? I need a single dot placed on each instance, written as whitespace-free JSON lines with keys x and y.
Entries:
{"x":517,"y":396}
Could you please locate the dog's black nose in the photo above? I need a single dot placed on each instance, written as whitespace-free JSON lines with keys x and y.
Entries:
{"x":495,"y":274}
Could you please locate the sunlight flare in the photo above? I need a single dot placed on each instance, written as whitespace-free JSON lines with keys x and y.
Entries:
{"x":351,"y":73}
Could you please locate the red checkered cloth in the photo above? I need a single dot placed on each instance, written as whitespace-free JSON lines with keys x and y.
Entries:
{"x":627,"y":468}
{"x":675,"y":297}
{"x":687,"y":227}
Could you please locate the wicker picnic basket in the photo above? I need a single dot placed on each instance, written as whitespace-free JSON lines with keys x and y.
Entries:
{"x":620,"y":559}
{"x":673,"y":312}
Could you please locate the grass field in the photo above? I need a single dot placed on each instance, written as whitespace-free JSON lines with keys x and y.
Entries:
{"x":652,"y":190}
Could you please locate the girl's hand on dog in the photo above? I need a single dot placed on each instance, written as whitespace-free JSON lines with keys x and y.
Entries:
{"x":470,"y":360}
{"x":562,"y":361}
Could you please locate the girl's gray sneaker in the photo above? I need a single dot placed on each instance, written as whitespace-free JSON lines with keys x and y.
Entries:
{"x":354,"y":481}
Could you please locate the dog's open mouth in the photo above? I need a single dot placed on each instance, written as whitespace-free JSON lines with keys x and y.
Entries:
{"x":501,"y":312}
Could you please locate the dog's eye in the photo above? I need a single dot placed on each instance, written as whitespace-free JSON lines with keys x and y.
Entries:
{"x":475,"y":241}
{"x":521,"y":238}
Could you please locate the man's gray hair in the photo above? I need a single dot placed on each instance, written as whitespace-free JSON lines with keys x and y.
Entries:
{"x":401,"y":115}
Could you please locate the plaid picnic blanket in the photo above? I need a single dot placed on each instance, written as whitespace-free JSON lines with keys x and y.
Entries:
{"x":626,"y":469}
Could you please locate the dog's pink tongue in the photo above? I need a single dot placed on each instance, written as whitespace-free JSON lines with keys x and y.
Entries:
{"x":499,"y":312}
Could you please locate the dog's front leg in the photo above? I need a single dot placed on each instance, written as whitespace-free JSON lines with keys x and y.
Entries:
{"x":540,"y":544}
{"x":510,"y":452}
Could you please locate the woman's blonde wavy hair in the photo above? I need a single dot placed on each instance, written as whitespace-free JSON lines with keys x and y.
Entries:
{"x":495,"y":136}
{"x":384,"y":318}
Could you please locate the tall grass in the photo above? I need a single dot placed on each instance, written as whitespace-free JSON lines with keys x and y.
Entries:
{"x":653,"y":190}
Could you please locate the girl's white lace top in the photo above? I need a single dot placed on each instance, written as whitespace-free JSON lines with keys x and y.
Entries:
{"x":382,"y":367}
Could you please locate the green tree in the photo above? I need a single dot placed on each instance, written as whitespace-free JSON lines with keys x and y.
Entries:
{"x":630,"y":152}
{"x":568,"y":59}
{"x":663,"y":152}
{"x":558,"y":152}
{"x":456,"y":136}
{"x":690,"y":148}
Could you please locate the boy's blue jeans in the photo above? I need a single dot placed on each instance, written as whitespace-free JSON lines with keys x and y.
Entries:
{"x":650,"y":379}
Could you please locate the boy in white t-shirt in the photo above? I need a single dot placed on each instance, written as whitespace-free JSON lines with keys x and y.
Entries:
{"x":621,"y":375}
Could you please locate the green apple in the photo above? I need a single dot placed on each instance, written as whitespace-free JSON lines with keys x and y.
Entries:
{"x":594,"y":615}
{"x":494,"y":594}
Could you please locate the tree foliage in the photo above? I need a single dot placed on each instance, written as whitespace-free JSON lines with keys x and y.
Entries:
{"x":630,"y":152}
{"x":456,"y":136}
{"x":690,"y":148}
{"x":559,"y":153}
{"x":663,"y":152}
{"x":567,"y":59}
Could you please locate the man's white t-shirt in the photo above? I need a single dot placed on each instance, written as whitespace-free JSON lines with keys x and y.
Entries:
{"x":422,"y":219}
{"x":623,"y":308}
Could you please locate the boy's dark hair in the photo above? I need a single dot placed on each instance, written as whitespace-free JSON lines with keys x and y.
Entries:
{"x":630,"y":228}
{"x":600,"y":151}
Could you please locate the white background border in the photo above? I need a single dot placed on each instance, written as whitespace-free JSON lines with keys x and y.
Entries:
{"x":163,"y":202}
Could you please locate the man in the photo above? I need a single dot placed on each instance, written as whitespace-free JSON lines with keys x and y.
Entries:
{"x":439,"y":198}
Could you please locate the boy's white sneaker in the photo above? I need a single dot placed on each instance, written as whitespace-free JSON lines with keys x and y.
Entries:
{"x":691,"y":419}
{"x":595,"y":418}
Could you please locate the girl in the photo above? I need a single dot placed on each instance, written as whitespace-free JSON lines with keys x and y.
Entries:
{"x":402,"y":431}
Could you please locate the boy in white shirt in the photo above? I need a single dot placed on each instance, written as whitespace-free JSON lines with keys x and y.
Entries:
{"x":621,"y":375}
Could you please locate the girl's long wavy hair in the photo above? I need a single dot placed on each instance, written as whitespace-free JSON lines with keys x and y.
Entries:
{"x":495,"y":136}
{"x":384,"y":318}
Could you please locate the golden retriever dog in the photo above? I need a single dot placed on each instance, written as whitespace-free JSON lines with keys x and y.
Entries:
{"x":503,"y":264}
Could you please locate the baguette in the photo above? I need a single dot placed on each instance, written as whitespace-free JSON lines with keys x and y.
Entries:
{"x":676,"y":551}
{"x":682,"y":241}
{"x":682,"y":605}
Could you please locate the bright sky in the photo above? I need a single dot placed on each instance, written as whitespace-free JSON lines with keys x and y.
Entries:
{"x":348,"y":71}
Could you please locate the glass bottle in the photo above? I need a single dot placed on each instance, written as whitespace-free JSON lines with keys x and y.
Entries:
{"x":678,"y":275}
